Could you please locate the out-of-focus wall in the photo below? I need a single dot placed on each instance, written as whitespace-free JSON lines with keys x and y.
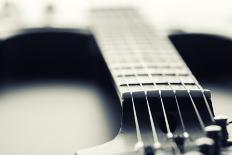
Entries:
{"x":194,"y":15}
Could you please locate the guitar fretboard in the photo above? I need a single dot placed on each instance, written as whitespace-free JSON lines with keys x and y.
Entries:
{"x":138,"y":57}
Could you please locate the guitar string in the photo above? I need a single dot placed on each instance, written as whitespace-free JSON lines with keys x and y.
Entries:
{"x":174,"y":147}
{"x":199,"y":117}
{"x":154,"y":132}
{"x":205,"y":100}
{"x":177,"y":104}
{"x":169,"y":133}
{"x":157,"y":144}
{"x":136,"y":120}
{"x":189,"y":94}
{"x":193,"y":105}
{"x":139,"y":143}
{"x":137,"y":128}
{"x":192,"y":101}
{"x":138,"y":131}
{"x":140,"y":83}
{"x":198,"y":85}
{"x":185,"y":133}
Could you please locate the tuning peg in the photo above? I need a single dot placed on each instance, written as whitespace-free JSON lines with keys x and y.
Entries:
{"x":222,"y":121}
{"x":205,"y":145}
{"x":214,"y":132}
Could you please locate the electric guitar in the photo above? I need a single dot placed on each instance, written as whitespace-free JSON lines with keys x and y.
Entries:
{"x":162,"y":107}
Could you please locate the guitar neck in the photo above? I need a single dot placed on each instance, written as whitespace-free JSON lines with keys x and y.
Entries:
{"x":160,"y":97}
{"x":138,"y":57}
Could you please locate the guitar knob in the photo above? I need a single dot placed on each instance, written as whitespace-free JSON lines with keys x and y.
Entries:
{"x":221,"y":121}
{"x":214,"y":132}
{"x":205,"y":145}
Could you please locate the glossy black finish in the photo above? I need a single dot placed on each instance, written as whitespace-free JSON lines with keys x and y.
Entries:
{"x":207,"y":56}
{"x":46,"y":55}
{"x":58,"y":68}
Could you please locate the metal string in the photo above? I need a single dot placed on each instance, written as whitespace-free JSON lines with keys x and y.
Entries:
{"x":194,"y":105}
{"x":198,"y":85}
{"x":139,"y":143}
{"x":185,"y":133}
{"x":190,"y":96}
{"x":138,"y":132}
{"x":206,"y":102}
{"x":192,"y":101}
{"x":154,"y":132}
{"x":169,"y":133}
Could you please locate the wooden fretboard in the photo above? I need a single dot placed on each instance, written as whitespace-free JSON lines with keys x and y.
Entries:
{"x":138,"y":57}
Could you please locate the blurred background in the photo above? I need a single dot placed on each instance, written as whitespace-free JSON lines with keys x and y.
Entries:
{"x":65,"y":105}
{"x":207,"y":15}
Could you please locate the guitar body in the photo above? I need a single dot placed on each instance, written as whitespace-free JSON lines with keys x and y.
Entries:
{"x":58,"y":95}
{"x":50,"y":101}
